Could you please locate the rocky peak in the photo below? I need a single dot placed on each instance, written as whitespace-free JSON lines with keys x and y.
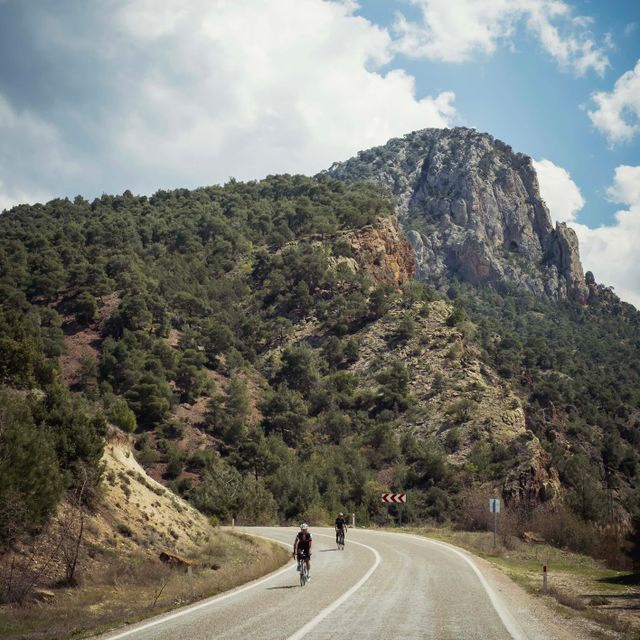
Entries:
{"x":471,"y":208}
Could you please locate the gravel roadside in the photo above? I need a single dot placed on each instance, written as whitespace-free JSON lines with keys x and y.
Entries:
{"x":542,"y":614}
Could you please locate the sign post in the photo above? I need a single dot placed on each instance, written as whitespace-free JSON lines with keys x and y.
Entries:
{"x":494,"y":507}
{"x":395,"y":498}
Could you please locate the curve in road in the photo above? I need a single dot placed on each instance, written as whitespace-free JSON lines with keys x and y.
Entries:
{"x":383,"y":585}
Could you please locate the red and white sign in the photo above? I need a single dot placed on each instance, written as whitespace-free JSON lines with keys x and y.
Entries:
{"x":394,"y":498}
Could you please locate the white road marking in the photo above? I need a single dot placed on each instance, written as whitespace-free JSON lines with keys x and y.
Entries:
{"x":505,"y":615}
{"x":510,"y":623}
{"x":314,"y":622}
{"x":206,"y":603}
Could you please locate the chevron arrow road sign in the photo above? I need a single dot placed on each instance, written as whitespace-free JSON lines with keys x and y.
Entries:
{"x":394,"y":498}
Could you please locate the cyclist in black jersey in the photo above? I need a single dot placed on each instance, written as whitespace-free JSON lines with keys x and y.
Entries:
{"x":341,"y":527}
{"x":302,"y":546}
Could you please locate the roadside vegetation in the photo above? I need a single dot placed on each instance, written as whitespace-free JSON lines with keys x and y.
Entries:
{"x":123,"y":589}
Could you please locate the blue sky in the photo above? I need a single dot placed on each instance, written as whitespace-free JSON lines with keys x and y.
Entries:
{"x":100,"y":97}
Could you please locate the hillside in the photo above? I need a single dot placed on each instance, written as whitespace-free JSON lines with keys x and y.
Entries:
{"x":147,"y":516}
{"x":283,"y":349}
{"x":143,"y":550}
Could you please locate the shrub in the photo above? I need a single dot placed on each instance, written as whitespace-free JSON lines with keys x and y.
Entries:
{"x":120,"y":415}
{"x":475,"y":515}
{"x":31,"y":483}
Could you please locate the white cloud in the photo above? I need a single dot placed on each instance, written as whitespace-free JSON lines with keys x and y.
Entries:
{"x":249,"y":88}
{"x":626,"y":186}
{"x":617,"y":115}
{"x":182,"y":94}
{"x":31,"y":154}
{"x":610,"y":252}
{"x":630,"y":28}
{"x":558,"y":190}
{"x":10,"y":196}
{"x":455,"y":30}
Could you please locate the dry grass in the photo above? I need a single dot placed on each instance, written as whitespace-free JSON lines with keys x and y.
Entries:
{"x":120,"y":576}
{"x":122,"y":590}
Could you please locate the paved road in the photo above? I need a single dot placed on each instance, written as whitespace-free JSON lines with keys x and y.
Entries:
{"x":383,"y":585}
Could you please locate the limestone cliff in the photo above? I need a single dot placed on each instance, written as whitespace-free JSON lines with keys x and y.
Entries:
{"x":471,"y":208}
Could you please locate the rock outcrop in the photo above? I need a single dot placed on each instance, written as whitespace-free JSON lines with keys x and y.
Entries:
{"x":471,"y":208}
{"x":384,"y":252}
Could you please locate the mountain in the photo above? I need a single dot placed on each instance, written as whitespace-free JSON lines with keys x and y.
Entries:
{"x":471,"y":208}
{"x":408,"y":320}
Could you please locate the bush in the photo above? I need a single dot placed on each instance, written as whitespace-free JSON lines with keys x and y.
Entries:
{"x":562,"y":528}
{"x":85,"y":307}
{"x":121,"y":416}
{"x":474,"y":514}
{"x":31,"y":482}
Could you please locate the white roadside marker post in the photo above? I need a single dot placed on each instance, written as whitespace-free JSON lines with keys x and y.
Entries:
{"x":494,"y":507}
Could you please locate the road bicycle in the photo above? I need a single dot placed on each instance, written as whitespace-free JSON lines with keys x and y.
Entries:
{"x":340,"y":538}
{"x":302,"y":570}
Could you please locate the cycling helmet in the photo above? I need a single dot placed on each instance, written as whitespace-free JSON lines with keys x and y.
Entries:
{"x":304,"y":526}
{"x":341,"y":514}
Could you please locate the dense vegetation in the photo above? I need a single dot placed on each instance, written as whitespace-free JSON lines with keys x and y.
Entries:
{"x":220,"y":268}
{"x":579,"y":370}
{"x":210,"y":294}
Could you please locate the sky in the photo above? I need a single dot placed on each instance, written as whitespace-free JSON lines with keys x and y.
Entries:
{"x":141,"y":95}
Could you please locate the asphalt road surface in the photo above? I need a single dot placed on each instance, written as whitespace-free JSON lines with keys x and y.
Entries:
{"x":382,"y":585}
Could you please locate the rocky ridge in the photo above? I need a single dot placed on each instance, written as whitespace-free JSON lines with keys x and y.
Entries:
{"x":460,"y":401}
{"x":471,"y":208}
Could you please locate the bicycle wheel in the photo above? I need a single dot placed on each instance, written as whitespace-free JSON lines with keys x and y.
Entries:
{"x":303,"y":575}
